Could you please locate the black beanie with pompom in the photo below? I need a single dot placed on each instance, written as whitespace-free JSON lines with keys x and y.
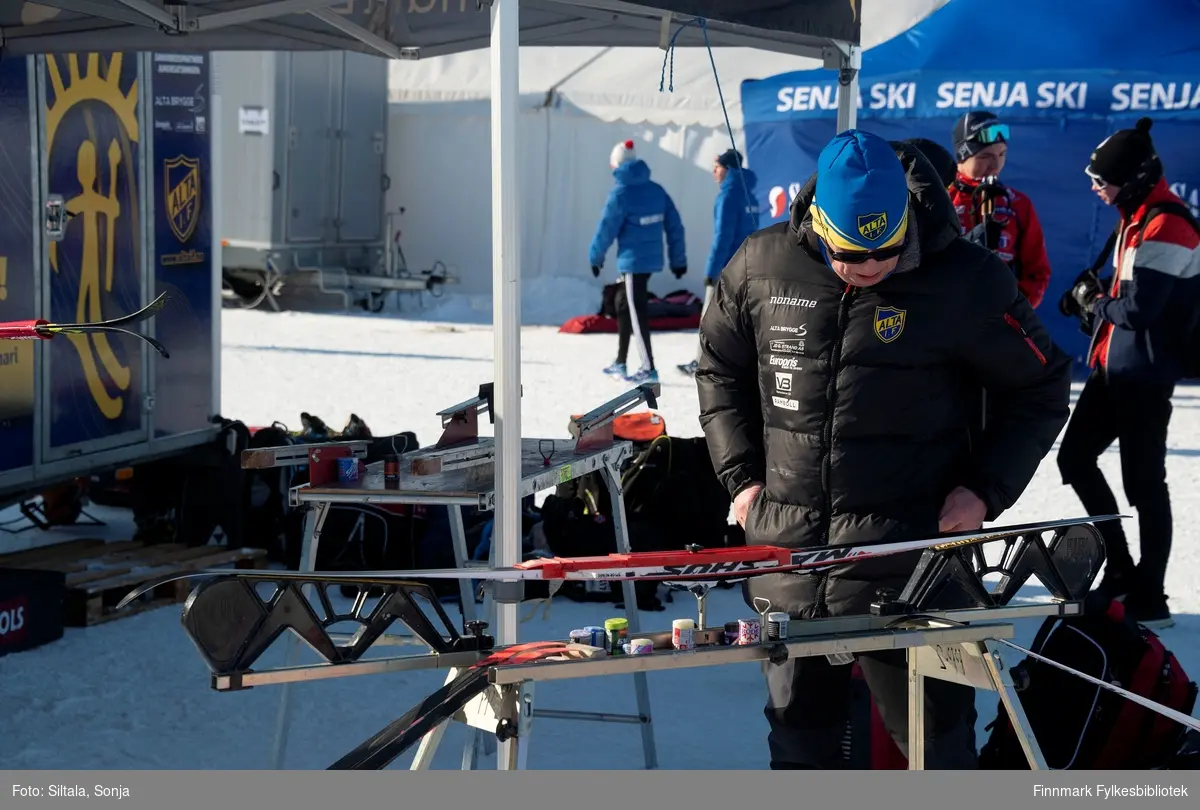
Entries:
{"x":1122,"y":156}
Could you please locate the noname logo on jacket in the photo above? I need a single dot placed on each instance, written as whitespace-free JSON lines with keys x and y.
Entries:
{"x":782,"y":301}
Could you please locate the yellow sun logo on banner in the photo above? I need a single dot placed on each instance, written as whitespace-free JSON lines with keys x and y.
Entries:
{"x":95,"y":210}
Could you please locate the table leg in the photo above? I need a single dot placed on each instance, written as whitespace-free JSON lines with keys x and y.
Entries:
{"x":916,"y":714}
{"x":612,"y":479}
{"x":314,"y":519}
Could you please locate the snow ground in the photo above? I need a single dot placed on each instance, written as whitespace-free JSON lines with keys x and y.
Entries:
{"x":134,"y":693}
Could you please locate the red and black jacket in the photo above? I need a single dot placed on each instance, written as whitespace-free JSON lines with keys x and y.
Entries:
{"x":1019,"y":241}
{"x":1142,"y":324}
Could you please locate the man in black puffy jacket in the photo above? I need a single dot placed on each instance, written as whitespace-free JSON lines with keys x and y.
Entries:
{"x":841,"y":362}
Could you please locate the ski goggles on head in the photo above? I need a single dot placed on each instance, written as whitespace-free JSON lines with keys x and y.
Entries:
{"x":990,"y":134}
{"x":1097,"y":181}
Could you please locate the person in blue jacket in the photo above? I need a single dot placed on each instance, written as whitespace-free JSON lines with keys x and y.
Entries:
{"x":636,"y":215}
{"x":735,"y":216}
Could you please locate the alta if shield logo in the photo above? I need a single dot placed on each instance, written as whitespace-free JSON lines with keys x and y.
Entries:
{"x":181,"y":181}
{"x":872,"y":226}
{"x":889,"y":323}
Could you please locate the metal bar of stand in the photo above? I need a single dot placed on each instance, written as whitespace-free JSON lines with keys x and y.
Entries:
{"x":458,"y":535}
{"x":314,"y":520}
{"x":916,"y":714}
{"x":599,"y":717}
{"x":700,"y":657}
{"x":612,"y":478}
{"x":317,"y":672}
{"x":303,"y":494}
{"x":996,"y":667}
{"x":428,"y":746}
{"x":799,"y":630}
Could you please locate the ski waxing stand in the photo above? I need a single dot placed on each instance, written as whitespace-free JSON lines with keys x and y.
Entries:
{"x":459,"y":471}
{"x":951,"y":622}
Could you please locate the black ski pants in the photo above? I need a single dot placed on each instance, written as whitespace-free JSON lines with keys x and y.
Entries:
{"x":1136,"y":415}
{"x":809,"y":704}
{"x":632,"y":318}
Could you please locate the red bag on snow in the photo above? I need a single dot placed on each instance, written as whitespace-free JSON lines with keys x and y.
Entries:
{"x":867,"y":744}
{"x":1080,"y":726}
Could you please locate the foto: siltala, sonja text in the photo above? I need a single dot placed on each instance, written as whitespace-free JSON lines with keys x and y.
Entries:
{"x":71,"y":792}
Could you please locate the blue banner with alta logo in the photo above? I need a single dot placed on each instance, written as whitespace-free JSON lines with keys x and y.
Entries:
{"x":183,"y":240}
{"x":1062,"y":81}
{"x":94,"y":142}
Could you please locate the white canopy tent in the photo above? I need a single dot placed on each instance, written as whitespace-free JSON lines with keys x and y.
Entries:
{"x":575,"y":103}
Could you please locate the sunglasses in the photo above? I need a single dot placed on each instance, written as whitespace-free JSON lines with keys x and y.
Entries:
{"x":1097,"y":183}
{"x":992,"y":133}
{"x":863,"y":256}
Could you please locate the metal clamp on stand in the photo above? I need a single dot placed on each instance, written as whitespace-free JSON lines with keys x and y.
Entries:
{"x":595,"y":428}
{"x":459,"y":446}
{"x":460,"y":423}
{"x":952,"y":578}
{"x":288,"y":455}
{"x":506,"y":592}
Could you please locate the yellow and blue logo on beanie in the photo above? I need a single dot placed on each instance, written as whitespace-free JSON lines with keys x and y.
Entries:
{"x":861,"y":199}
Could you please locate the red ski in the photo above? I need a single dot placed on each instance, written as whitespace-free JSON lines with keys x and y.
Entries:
{"x":692,"y":565}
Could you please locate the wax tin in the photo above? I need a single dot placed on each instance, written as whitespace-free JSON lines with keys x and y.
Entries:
{"x":391,"y":472}
{"x":683,"y":634}
{"x":641,"y":646}
{"x":348,"y":470}
{"x":748,"y":631}
{"x":616,"y":631}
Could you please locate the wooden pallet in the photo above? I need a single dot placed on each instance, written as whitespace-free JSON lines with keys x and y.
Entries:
{"x":99,"y":574}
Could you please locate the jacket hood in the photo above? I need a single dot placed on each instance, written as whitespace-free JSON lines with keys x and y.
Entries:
{"x":632,"y":173}
{"x":731,"y":178}
{"x":929,"y":204}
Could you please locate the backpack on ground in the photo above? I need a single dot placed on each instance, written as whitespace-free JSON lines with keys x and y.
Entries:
{"x":672,"y":498}
{"x":1080,"y":726}
{"x":269,"y":522}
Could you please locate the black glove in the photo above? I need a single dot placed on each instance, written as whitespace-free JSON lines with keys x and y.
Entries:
{"x":1086,"y":292}
{"x":679,"y":271}
{"x":595,"y":271}
{"x":1085,"y":287}
{"x":710,"y":282}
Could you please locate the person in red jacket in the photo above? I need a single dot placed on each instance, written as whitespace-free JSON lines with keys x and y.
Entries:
{"x":996,"y":216}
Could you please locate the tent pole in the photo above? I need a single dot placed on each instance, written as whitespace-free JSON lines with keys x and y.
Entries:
{"x":849,"y":62}
{"x":506,"y":303}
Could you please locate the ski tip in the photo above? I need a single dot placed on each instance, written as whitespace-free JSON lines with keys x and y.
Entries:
{"x":158,"y":347}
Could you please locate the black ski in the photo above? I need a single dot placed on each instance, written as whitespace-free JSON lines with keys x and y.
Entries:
{"x":44,"y":330}
{"x":401,"y":734}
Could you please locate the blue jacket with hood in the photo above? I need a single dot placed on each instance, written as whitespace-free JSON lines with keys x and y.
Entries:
{"x":735,"y":216}
{"x":636,"y":214}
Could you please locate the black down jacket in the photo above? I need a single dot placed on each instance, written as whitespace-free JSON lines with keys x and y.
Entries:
{"x":852,"y":405}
